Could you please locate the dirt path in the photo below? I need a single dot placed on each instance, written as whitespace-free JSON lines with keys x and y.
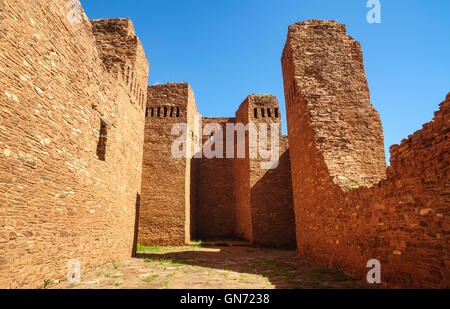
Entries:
{"x":222,"y":266}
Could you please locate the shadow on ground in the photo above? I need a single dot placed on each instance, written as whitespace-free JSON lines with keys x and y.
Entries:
{"x":281,"y":269}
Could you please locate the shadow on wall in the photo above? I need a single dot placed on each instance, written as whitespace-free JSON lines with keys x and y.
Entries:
{"x":136,"y":225}
{"x":194,"y":198}
{"x":272,"y":207}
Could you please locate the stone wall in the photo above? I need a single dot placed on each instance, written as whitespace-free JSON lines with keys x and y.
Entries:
{"x":165,"y":203}
{"x":403,"y":220}
{"x":215,"y":185}
{"x":272,"y":203}
{"x":263,"y":197}
{"x":211,"y":198}
{"x":123,"y":55}
{"x":328,"y":75}
{"x":71,"y":144}
{"x":241,"y":175}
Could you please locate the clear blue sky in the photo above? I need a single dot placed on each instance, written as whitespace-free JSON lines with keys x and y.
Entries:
{"x":229,"y":49}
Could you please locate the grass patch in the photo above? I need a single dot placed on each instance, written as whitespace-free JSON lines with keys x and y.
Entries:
{"x":47,"y":282}
{"x":150,"y":278}
{"x":153,"y":249}
{"x":197,"y":243}
{"x":358,"y":185}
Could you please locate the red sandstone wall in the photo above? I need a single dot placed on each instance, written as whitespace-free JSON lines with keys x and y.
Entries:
{"x":241,"y":175}
{"x":263,"y":198}
{"x":272,"y":203}
{"x":330,"y":79}
{"x":215,"y":191}
{"x":401,"y":221}
{"x":191,"y":176}
{"x":123,"y":55}
{"x":165,"y":212}
{"x":58,"y":201}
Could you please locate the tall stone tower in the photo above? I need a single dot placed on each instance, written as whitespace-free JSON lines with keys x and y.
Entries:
{"x":263,"y":196}
{"x":328,"y":104}
{"x":335,"y":134}
{"x":168,"y":183}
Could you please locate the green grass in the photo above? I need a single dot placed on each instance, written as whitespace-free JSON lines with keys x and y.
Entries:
{"x":150,"y":278}
{"x":197,"y":243}
{"x":115,"y":265}
{"x":358,"y":185}
{"x":153,"y":249}
{"x":47,"y":282}
{"x":167,"y":249}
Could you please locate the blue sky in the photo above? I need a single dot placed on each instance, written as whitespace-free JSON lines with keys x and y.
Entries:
{"x":227,"y":50}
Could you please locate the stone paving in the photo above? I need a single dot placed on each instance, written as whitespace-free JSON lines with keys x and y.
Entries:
{"x":218,"y":266}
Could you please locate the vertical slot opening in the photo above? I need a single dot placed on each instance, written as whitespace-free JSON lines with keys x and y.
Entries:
{"x":101,"y":145}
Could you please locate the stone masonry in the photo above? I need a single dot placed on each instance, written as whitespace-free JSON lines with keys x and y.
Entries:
{"x":87,"y":172}
{"x":403,"y":220}
{"x":213,"y":198}
{"x":166,"y":189}
{"x":71,"y":140}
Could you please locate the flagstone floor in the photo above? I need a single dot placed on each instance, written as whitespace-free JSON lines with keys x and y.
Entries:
{"x":214,"y":266}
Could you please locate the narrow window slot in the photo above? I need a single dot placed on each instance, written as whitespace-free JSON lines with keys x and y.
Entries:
{"x":255,"y":112}
{"x":101,"y":145}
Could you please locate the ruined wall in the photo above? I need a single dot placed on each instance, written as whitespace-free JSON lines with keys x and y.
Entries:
{"x":70,"y":147}
{"x":123,"y":55}
{"x":191,"y":192}
{"x":165,"y":205}
{"x":215,"y":190}
{"x":328,"y":75}
{"x":263,"y":197}
{"x":401,"y":221}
